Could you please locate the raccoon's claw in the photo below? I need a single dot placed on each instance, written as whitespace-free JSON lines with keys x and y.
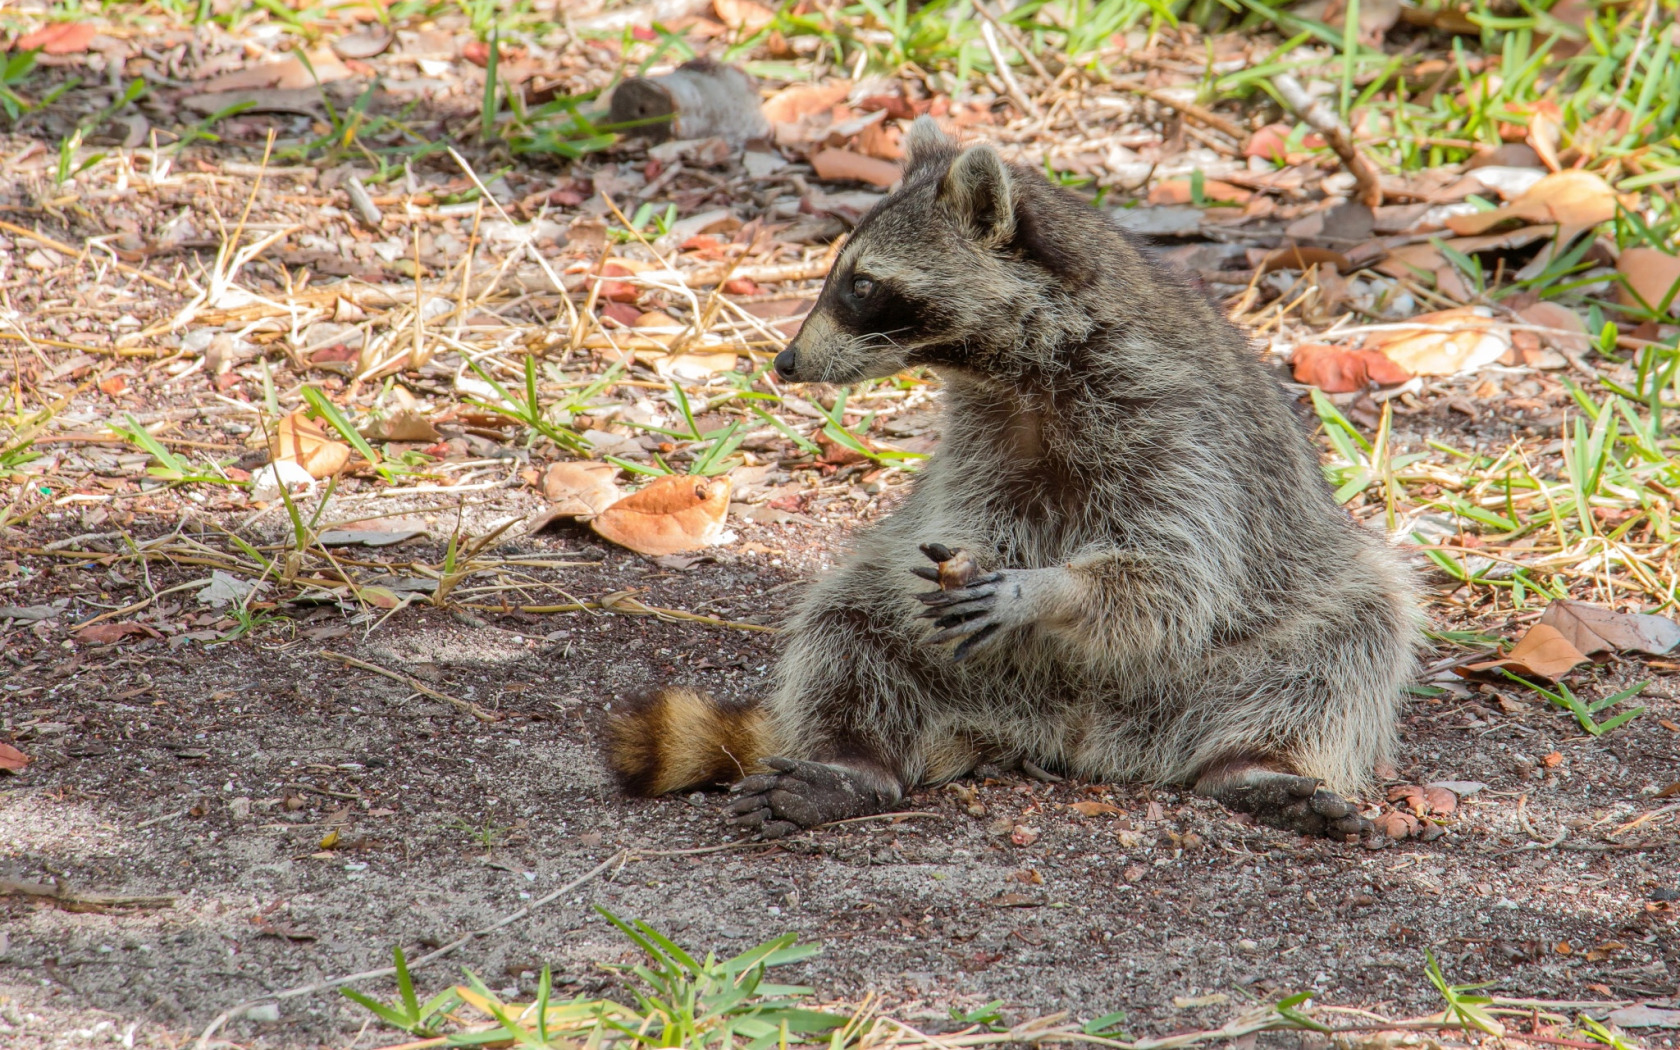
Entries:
{"x":800,"y":795}
{"x":981,"y":587}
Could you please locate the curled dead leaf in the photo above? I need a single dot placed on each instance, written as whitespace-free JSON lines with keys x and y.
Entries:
{"x":673,"y":514}
{"x":1574,"y":200}
{"x":1340,"y":369}
{"x":580,"y":487}
{"x":301,"y":440}
{"x":1396,"y":824}
{"x":12,"y":760}
{"x":1652,"y":275}
{"x":844,"y":164}
{"x":1096,"y":809}
{"x":1542,"y":652}
{"x":106,"y":633}
{"x":1593,"y":629}
{"x":1446,"y":342}
{"x":59,"y":38}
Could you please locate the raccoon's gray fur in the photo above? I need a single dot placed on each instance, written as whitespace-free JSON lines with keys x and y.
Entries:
{"x":1171,"y":594}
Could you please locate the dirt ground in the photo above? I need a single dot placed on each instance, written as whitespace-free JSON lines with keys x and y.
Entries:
{"x":215,"y":812}
{"x":211,"y":774}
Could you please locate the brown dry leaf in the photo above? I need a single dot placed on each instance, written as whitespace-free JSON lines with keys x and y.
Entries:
{"x":1652,"y":274}
{"x":801,"y":100}
{"x":1542,"y":652}
{"x":1574,"y":200}
{"x":1341,"y":370}
{"x":656,"y":319}
{"x":743,"y":14}
{"x":1396,"y":824}
{"x":1592,"y":629}
{"x":1295,"y":257}
{"x":695,"y":367}
{"x":406,"y":424}
{"x":1096,"y":809}
{"x":12,"y":760}
{"x":1567,"y":331}
{"x":60,"y":38}
{"x":1022,"y":835}
{"x":1552,"y":760}
{"x":303,"y":441}
{"x":1178,"y":191}
{"x":106,"y":633}
{"x":673,"y":514}
{"x":580,"y":487}
{"x":844,"y":164}
{"x":1424,"y":801}
{"x":1455,"y":341}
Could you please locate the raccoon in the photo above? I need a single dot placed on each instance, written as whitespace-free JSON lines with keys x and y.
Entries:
{"x":1161,"y":590}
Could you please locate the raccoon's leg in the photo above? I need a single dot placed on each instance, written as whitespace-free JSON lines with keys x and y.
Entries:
{"x":854,"y":706}
{"x":1281,"y":799}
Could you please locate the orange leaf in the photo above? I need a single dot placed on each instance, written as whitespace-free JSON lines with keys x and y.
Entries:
{"x":61,"y":38}
{"x":1340,"y":370}
{"x":12,"y":760}
{"x":1446,"y":342}
{"x":1095,"y":809}
{"x":743,"y":14}
{"x":578,"y":487}
{"x":802,"y":100}
{"x":106,"y":633}
{"x":1543,"y":651}
{"x":303,"y":441}
{"x":1652,"y":274}
{"x":844,"y":164}
{"x":673,"y":514}
{"x":1572,"y":199}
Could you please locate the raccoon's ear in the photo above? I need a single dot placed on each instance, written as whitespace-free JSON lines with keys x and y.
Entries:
{"x":925,"y":144}
{"x":981,"y":193}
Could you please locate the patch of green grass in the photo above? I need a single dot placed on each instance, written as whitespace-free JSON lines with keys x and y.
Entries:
{"x":1583,"y":710}
{"x":679,"y":1000}
{"x":170,"y":467}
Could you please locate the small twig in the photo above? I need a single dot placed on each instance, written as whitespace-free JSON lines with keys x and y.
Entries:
{"x":464,"y":706}
{"x":61,"y":895}
{"x":620,"y":602}
{"x":1323,"y":119}
{"x":1028,"y":107}
{"x":323,"y":791}
{"x":65,"y":249}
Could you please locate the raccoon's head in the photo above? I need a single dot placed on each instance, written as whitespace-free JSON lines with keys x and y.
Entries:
{"x":944,"y":271}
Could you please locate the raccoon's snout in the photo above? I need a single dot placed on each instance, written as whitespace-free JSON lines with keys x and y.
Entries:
{"x":787,"y":363}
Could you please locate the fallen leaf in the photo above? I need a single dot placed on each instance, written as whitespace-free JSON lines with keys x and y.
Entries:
{"x":1543,"y":652}
{"x":12,"y":760}
{"x":329,"y":840}
{"x":106,"y":633}
{"x":1016,"y":900}
{"x":1642,"y":1016}
{"x":1552,"y":760}
{"x":744,"y":15}
{"x":695,"y":367}
{"x":1564,"y":327}
{"x":1022,"y":835}
{"x":302,"y":441}
{"x":1455,"y":341}
{"x":114,"y":385}
{"x":223,"y":589}
{"x":1653,"y":275}
{"x":367,"y":537}
{"x":580,"y":487}
{"x":673,"y":514}
{"x":60,"y":38}
{"x":844,"y":164}
{"x":801,"y":100}
{"x":1396,"y":824}
{"x":1182,"y":191}
{"x":1574,"y":200}
{"x":1425,"y":801}
{"x":1593,"y":629}
{"x":405,"y":424}
{"x":1096,"y":809}
{"x":656,"y":319}
{"x":1296,"y":257}
{"x":1341,"y":370}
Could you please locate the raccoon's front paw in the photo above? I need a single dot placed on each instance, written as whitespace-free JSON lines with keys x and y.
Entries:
{"x":802,"y":795}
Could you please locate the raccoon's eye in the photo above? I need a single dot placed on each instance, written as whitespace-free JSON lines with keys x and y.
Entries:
{"x":861,"y":287}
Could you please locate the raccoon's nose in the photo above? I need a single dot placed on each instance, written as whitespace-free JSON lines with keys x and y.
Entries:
{"x":787,"y":362}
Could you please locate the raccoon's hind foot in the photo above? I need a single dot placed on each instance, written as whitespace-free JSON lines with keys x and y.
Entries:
{"x":804,"y":794}
{"x":1284,"y":800}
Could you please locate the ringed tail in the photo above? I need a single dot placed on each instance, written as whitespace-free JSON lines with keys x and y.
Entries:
{"x":677,"y":739}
